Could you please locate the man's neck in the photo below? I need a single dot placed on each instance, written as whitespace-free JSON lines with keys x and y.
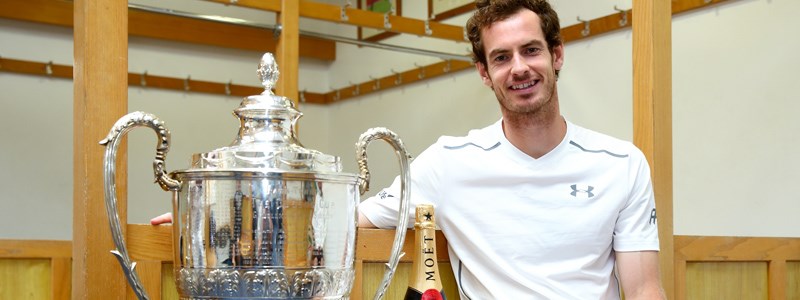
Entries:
{"x":535,"y":136}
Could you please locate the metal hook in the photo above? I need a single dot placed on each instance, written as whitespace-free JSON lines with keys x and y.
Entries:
{"x":585,"y":31}
{"x":186,"y":83}
{"x":466,"y":36}
{"x":343,"y":11}
{"x":447,"y":66}
{"x":386,"y":23}
{"x":357,"y":90}
{"x":337,"y":96}
{"x":276,"y":32}
{"x":399,"y":78}
{"x":428,"y":30}
{"x":421,"y":73}
{"x":377,"y":85}
{"x":228,"y":87}
{"x":234,"y":2}
{"x":623,"y":16}
{"x":143,"y":79}
{"x":707,"y":1}
{"x":48,"y":68}
{"x":303,"y":96}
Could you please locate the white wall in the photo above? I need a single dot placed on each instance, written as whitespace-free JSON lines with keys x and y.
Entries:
{"x":734,"y":103}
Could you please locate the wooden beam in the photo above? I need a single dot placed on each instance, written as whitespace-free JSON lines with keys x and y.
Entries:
{"x":173,"y":28}
{"x":286,"y":51}
{"x":652,"y":115}
{"x":100,"y":98}
{"x":392,"y":81}
{"x":362,"y":18}
{"x":149,"y":80}
{"x":35,"y":249}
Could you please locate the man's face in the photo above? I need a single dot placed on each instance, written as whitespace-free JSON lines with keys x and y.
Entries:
{"x":519,"y":68}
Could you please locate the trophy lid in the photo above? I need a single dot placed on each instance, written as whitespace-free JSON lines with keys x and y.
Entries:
{"x":266,"y":138}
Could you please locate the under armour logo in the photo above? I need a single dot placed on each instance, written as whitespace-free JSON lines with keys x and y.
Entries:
{"x":582,"y":189}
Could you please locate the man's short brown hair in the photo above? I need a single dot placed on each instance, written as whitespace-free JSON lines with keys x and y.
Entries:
{"x":492,"y":11}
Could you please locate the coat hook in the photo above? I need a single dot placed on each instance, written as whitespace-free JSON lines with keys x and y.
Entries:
{"x":143,"y":79}
{"x":276,"y":31}
{"x":421,"y":73}
{"x":228,"y":87}
{"x":234,"y":2}
{"x":377,"y":85}
{"x":447,"y":66}
{"x":707,"y":1}
{"x":303,"y":96}
{"x":357,"y":89}
{"x":337,"y":96}
{"x":343,"y":12}
{"x":466,"y":36}
{"x":585,"y":31}
{"x":399,"y":78}
{"x":186,"y":83}
{"x":428,"y":30}
{"x":386,"y":23}
{"x":623,"y":16}
{"x":48,"y":68}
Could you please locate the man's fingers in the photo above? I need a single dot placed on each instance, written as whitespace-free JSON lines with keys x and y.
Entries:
{"x":162,"y":219}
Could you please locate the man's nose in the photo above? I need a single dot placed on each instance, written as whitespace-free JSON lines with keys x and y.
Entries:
{"x":519,"y":66}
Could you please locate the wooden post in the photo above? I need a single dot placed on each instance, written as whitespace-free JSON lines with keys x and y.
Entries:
{"x":100,"y":97}
{"x":287,"y":52}
{"x":652,"y":115}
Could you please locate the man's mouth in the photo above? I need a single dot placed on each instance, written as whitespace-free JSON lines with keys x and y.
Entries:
{"x":524,"y":85}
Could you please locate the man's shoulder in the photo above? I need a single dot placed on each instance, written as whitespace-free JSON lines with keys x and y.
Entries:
{"x":592,"y":141}
{"x":485,"y":138}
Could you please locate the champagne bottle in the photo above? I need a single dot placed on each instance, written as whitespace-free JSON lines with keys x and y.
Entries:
{"x":425,"y":282}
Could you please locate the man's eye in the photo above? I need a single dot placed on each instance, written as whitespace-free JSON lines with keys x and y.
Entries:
{"x":533,"y":50}
{"x":500,"y":58}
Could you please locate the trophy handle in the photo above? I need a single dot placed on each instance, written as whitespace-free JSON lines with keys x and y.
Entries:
{"x":363,"y":185}
{"x":121,"y":127}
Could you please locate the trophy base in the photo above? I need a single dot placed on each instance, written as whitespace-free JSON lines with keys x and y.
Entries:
{"x":265,"y":283}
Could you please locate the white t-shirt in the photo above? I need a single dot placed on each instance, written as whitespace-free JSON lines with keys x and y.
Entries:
{"x":525,"y":228}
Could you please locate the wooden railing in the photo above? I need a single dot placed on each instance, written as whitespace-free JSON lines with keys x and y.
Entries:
{"x":706,"y":267}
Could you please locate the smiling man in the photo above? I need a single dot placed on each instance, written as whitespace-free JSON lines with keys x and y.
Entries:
{"x":533,"y":206}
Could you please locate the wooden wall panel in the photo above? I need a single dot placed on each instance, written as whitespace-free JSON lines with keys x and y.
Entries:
{"x":793,"y":280}
{"x":726,"y":280}
{"x":168,"y":289}
{"x":25,"y":279}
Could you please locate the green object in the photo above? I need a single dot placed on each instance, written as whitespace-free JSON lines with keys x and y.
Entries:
{"x":381,"y":6}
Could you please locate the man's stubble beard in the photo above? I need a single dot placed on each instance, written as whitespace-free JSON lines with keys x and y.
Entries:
{"x":536,"y":113}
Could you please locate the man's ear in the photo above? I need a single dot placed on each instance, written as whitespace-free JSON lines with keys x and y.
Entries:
{"x":484,"y":74}
{"x":558,"y":57}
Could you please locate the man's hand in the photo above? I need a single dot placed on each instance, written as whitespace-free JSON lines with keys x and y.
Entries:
{"x":162,"y":219}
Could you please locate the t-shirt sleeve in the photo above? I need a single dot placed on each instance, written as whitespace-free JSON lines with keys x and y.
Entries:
{"x":382,"y":209}
{"x":637,"y":226}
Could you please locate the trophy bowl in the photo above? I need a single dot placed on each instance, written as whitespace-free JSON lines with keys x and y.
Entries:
{"x":262,"y":218}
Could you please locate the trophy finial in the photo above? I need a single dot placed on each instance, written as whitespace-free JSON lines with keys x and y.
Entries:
{"x":268,"y":72}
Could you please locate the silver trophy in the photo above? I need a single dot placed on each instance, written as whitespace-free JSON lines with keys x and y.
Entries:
{"x":263,"y":218}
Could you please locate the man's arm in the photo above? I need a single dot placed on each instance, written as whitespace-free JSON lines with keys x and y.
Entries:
{"x":363,"y":222}
{"x":639,"y":275}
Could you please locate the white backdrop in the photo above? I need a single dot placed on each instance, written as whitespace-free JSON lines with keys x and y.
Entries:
{"x":734,"y":107}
